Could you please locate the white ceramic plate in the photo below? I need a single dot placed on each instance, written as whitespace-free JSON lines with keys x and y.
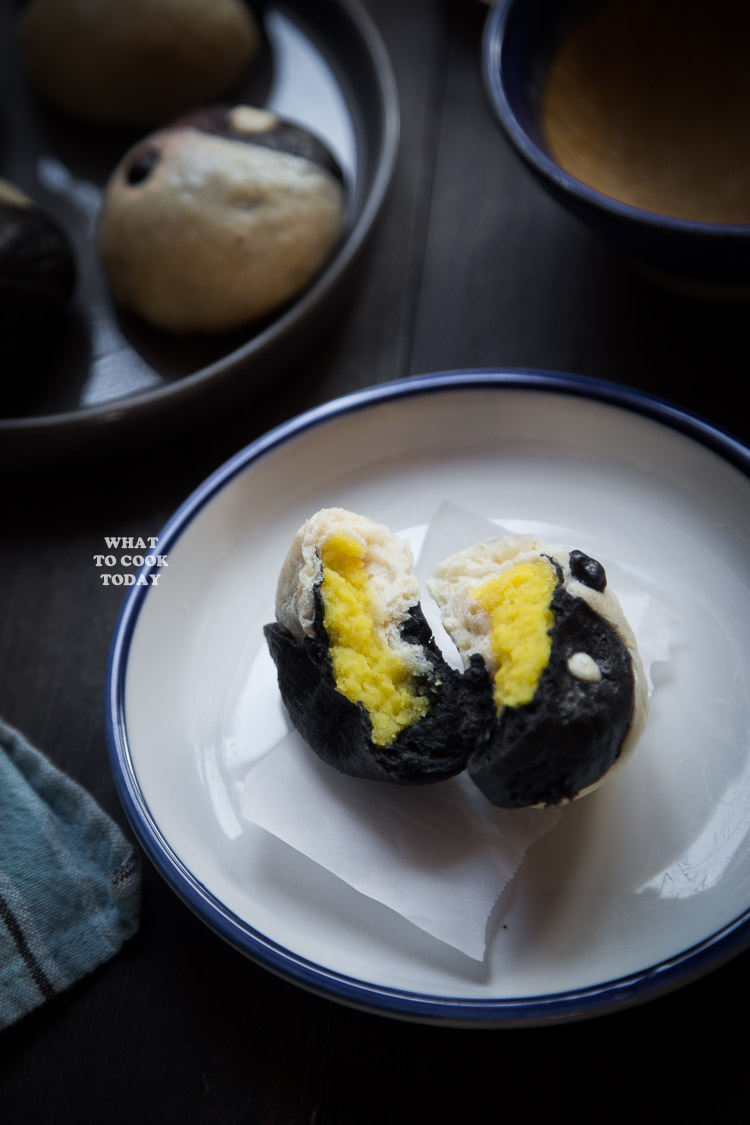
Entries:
{"x":644,"y":884}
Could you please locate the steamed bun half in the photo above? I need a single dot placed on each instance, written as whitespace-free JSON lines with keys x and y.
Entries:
{"x":561,"y":663}
{"x":135,"y":62}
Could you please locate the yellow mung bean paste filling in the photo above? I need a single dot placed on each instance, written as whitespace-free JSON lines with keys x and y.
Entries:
{"x":365,"y":668}
{"x":518,"y":603}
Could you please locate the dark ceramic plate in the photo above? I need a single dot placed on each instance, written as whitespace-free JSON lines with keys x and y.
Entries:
{"x":324,"y":66}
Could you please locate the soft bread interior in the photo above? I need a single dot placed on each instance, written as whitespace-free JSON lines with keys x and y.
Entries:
{"x":363,"y":573}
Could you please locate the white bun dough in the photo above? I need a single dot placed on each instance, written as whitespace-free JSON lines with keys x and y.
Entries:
{"x":202,"y":232}
{"x":388,"y":559}
{"x":135,"y":62}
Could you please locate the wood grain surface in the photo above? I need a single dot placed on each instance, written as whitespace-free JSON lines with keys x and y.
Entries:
{"x":472,"y":265}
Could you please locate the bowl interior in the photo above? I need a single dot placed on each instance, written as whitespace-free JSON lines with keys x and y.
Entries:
{"x":662,"y":181}
{"x":525,"y":38}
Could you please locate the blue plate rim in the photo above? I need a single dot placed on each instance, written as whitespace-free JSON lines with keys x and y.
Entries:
{"x":606,"y":997}
{"x":537,"y":158}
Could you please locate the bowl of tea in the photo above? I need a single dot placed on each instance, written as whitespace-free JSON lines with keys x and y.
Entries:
{"x":636,"y":115}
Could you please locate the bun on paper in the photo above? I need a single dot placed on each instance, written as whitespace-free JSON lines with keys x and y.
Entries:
{"x":559,"y":660}
{"x":359,"y":672}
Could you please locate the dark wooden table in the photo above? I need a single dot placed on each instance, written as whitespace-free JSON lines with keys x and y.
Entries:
{"x":472,"y":266}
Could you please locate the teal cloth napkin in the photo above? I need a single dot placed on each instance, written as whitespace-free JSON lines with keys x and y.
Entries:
{"x":69,"y":880}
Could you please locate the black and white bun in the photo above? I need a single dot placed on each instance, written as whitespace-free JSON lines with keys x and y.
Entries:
{"x":37,"y":277}
{"x":136,"y":62}
{"x":219,"y":219}
{"x":560,"y":663}
{"x":359,"y":672}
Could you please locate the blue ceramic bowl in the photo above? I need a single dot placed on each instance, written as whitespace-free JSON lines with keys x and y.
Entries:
{"x":519,"y":41}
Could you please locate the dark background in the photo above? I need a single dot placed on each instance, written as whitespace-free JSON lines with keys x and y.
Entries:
{"x":472,"y":265}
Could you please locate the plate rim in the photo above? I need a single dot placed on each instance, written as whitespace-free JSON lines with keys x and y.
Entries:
{"x":637,"y":987}
{"x":303,"y":311}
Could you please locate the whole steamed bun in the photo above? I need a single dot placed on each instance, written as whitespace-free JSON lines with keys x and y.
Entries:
{"x":219,"y":219}
{"x":135,"y":62}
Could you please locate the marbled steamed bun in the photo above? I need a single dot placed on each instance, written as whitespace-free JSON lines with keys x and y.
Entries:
{"x":37,"y":277}
{"x":219,"y":219}
{"x":136,"y":62}
{"x":561,"y":664}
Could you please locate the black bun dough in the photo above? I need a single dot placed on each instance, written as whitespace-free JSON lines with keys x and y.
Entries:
{"x":252,"y":126}
{"x":340,"y":732}
{"x":359,"y":671}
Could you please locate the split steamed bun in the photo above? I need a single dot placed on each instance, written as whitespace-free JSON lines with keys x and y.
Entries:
{"x":219,"y":219}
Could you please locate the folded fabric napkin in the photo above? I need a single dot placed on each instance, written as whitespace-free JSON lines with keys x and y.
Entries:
{"x":69,"y":880}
